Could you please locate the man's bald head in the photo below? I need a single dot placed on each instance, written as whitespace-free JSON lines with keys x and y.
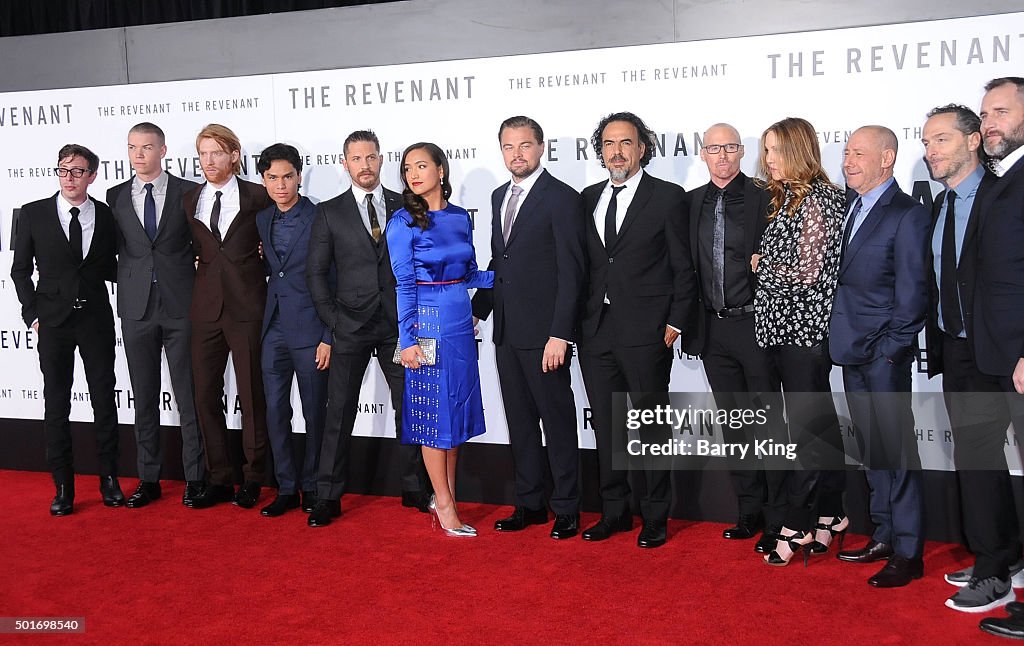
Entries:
{"x":869,"y":157}
{"x":723,"y":165}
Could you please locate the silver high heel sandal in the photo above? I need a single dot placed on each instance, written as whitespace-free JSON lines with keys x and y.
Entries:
{"x":466,"y":531}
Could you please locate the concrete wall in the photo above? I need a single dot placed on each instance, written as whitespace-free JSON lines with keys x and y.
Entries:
{"x":426,"y":30}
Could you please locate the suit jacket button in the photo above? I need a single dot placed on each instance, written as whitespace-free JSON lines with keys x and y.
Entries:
{"x":505,"y":256}
{"x":281,"y":274}
{"x":501,"y":280}
{"x":611,"y":260}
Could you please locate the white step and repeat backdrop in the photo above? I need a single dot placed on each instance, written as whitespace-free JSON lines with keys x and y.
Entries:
{"x":838,"y":80}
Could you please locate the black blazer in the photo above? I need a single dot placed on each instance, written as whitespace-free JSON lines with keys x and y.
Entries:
{"x":360,"y":266}
{"x":648,"y":275}
{"x":171,"y":253}
{"x":966,"y":270}
{"x":999,"y":288}
{"x":539,"y":273}
{"x":41,"y":243}
{"x":756,"y":203}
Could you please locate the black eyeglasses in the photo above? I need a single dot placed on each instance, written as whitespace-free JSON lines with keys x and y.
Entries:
{"x":714,"y":149}
{"x":74,"y":172}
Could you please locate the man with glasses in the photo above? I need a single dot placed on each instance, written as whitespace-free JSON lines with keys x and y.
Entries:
{"x":70,"y":237}
{"x":727,"y":217}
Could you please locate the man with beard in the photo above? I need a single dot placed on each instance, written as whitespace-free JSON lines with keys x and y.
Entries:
{"x":227,"y":314}
{"x":999,"y":307}
{"x":353,"y":289}
{"x":641,"y":291}
{"x":537,"y":239}
{"x":974,"y":403}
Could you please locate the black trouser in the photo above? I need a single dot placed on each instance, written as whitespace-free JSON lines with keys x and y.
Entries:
{"x":91,"y":330}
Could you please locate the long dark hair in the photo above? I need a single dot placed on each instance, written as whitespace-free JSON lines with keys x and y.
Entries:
{"x":415,"y":204}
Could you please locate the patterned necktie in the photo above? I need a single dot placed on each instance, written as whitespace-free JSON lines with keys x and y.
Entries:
{"x":848,"y":234}
{"x":149,"y":213}
{"x":215,"y":217}
{"x":718,"y":255}
{"x":510,"y":212}
{"x":75,"y":235}
{"x":610,"y":225}
{"x":374,"y":222}
{"x":949,"y":292}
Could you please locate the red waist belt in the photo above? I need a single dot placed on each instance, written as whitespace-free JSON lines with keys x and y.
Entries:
{"x":440,"y":282}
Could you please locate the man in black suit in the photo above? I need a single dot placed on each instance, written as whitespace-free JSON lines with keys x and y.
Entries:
{"x":641,"y":291}
{"x":228,"y":298}
{"x":70,"y":238}
{"x":155,"y":271}
{"x":537,"y":255}
{"x":353,"y":288}
{"x":723,"y":331}
{"x":999,"y":281}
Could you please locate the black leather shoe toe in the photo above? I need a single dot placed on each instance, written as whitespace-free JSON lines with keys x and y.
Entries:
{"x":193,"y":489}
{"x":110,"y":491}
{"x":566,"y":526}
{"x":64,"y":502}
{"x":247,"y":496}
{"x":873,"y":551}
{"x":212,"y":495}
{"x":521,"y":518}
{"x":324,"y":512}
{"x":308,"y":501}
{"x":746,"y":527}
{"x":280,"y":505}
{"x":144,"y":494}
{"x":607,"y":526}
{"x":417,"y":500}
{"x":766,"y":543}
{"x":898,"y":572}
{"x":653,"y":534}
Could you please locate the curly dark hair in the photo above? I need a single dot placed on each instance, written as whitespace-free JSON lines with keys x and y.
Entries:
{"x":646,"y":135}
{"x":415,"y":204}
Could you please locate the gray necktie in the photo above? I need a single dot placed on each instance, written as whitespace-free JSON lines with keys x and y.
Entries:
{"x":718,"y":255}
{"x":510,"y":211}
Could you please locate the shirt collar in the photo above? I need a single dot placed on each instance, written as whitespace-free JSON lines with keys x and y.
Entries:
{"x":64,"y":206}
{"x":360,"y":194}
{"x":527,"y":182}
{"x":868,"y":199}
{"x":230,"y":187}
{"x":969,"y":184}
{"x":1003,"y":165}
{"x":159,"y":184}
{"x":630,"y":183}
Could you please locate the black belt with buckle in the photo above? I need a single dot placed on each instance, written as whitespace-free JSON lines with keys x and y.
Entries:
{"x":733,"y":312}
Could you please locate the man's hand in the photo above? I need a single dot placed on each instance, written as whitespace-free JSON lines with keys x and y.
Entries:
{"x":476,"y":328}
{"x":554,"y":355}
{"x":670,"y":336}
{"x":259,"y":249}
{"x":323,"y":356}
{"x":413,"y":356}
{"x":753,"y":262}
{"x":35,"y":325}
{"x":1018,"y":376}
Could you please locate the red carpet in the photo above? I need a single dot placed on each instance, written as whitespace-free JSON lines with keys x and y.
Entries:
{"x":167,"y":574}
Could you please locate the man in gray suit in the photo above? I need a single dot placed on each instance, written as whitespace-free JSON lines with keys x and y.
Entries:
{"x":155,"y":271}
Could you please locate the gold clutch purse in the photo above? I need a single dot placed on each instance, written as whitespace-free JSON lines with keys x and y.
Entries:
{"x":429,"y":347}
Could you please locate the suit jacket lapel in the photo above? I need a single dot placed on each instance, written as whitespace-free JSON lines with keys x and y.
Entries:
{"x":591,"y":196}
{"x":172,"y":195}
{"x":643,"y":194}
{"x":525,"y":209}
{"x":497,"y":219}
{"x":305,"y":215}
{"x":696,"y":206}
{"x":751,"y":214}
{"x":126,"y":205}
{"x":974,"y":220}
{"x":992,"y":193}
{"x":244,"y":205}
{"x":871,"y":221}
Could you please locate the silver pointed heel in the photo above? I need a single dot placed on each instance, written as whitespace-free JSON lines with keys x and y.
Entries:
{"x":465,"y":531}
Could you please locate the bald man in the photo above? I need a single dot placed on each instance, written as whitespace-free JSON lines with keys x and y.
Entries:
{"x":880,"y":307}
{"x":735,"y":208}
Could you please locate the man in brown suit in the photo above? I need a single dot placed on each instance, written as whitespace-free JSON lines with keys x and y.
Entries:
{"x":228,"y":298}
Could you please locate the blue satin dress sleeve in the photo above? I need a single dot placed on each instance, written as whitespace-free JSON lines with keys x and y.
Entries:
{"x":399,"y":236}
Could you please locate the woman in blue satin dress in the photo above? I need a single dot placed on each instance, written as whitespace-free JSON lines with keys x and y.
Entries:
{"x":432,"y":255}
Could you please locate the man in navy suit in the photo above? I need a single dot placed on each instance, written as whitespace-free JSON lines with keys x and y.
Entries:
{"x":879,"y":309}
{"x":70,"y":238}
{"x":999,"y":295}
{"x":641,"y":293}
{"x":296,"y":343}
{"x":537,"y":239}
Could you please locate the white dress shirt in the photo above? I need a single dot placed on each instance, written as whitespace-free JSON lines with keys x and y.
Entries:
{"x":159,"y":196}
{"x":378,"y":203}
{"x":229,"y":204}
{"x":525,"y":185}
{"x":622,"y":202}
{"x":1000,"y":167}
{"x":86,"y":217}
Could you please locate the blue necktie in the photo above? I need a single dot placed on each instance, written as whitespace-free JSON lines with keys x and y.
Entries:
{"x":149,"y":213}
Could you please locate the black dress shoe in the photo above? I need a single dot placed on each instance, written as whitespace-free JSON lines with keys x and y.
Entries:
{"x":212,"y":495}
{"x":308,"y":501}
{"x":144,"y":494}
{"x":417,"y":500}
{"x":64,"y":502}
{"x":324,"y":512}
{"x":247,"y":495}
{"x":746,"y":527}
{"x":566,"y":526}
{"x":653,"y":534}
{"x":280,"y":505}
{"x":193,"y":489}
{"x":607,"y":526}
{"x":111,"y":492}
{"x":898,"y":572}
{"x":1011,"y":627}
{"x":769,"y":537}
{"x":873,"y":551}
{"x":521,"y":518}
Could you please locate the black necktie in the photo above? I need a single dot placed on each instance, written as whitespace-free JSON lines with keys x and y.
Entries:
{"x":149,"y":213}
{"x":949,"y":293}
{"x":849,"y":225}
{"x":718,"y":255}
{"x":75,"y":235}
{"x":215,"y":217}
{"x":374,"y":223}
{"x":610,"y":228}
